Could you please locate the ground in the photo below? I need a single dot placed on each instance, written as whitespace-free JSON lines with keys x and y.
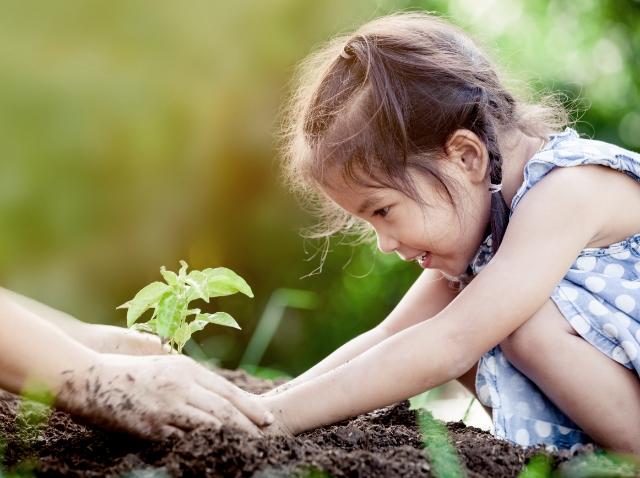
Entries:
{"x":385,"y":443}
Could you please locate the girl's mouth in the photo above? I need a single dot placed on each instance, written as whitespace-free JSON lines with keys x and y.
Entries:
{"x":424,"y":260}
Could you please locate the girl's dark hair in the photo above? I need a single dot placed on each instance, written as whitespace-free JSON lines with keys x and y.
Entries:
{"x":387,"y":98}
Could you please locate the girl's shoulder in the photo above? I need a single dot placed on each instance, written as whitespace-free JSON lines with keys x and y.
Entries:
{"x":568,"y":149}
{"x":609,"y":185}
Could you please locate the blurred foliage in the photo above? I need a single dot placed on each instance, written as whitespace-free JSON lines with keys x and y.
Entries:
{"x":439,"y":449}
{"x":597,"y":464}
{"x":538,"y":466}
{"x":600,"y":464}
{"x":136,"y":133}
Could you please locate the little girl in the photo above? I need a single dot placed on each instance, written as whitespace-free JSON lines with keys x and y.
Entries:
{"x":531,"y":282}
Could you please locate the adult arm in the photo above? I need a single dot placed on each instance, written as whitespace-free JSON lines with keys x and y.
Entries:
{"x":98,"y":337}
{"x":35,"y":349}
{"x":151,"y":396}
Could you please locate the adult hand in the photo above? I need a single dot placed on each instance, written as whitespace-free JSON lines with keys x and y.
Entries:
{"x":158,"y":396}
{"x":119,"y":340}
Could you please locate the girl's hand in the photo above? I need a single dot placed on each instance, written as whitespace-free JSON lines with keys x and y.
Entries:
{"x":156,"y":397}
{"x":280,"y":425}
{"x":118,"y":340}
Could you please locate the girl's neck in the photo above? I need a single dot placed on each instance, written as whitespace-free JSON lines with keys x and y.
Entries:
{"x":517,"y":149}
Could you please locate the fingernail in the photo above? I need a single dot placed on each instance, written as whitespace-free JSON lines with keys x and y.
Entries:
{"x":268,"y":419}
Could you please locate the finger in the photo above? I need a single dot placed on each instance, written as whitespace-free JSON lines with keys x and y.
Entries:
{"x":155,"y":343}
{"x":190,"y":417}
{"x":169,"y":431}
{"x":153,"y":430}
{"x":243,"y":401}
{"x":152,"y":345}
{"x":146,"y":344}
{"x":214,"y":404}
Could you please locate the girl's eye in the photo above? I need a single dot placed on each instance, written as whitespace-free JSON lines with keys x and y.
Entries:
{"x":382,"y":212}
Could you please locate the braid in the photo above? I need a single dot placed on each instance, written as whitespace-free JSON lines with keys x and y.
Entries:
{"x":499,"y":219}
{"x":484,"y":126}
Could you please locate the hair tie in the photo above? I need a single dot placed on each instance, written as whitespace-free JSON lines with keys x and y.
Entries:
{"x":494,"y":188}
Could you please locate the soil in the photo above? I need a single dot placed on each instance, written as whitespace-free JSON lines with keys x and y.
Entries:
{"x":386,"y":443}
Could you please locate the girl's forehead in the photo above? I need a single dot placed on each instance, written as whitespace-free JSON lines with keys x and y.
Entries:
{"x":354,"y":179}
{"x":338,"y":184}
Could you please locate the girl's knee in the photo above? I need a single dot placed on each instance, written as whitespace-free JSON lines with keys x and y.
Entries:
{"x":468,"y":380}
{"x":522,"y":346}
{"x":536,"y":339}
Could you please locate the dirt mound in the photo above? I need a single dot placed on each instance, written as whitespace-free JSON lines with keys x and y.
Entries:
{"x":386,"y":442}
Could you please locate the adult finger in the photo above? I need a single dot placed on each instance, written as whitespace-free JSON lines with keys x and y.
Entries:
{"x":146,"y":344}
{"x":243,"y":401}
{"x":214,"y":404}
{"x":154,"y":430}
{"x":169,"y":431}
{"x":190,"y":417}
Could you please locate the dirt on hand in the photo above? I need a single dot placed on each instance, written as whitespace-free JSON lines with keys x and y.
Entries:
{"x":385,"y":443}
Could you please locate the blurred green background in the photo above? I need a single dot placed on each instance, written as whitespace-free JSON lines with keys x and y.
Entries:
{"x":137,"y":133}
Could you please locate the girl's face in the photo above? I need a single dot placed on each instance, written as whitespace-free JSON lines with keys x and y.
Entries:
{"x":409,"y":229}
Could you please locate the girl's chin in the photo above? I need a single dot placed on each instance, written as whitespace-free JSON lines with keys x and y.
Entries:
{"x":450,"y":270}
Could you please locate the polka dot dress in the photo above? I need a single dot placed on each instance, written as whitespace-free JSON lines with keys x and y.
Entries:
{"x":599,"y":296}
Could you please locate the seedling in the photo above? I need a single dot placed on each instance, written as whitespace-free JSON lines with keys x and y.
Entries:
{"x":170,"y":303}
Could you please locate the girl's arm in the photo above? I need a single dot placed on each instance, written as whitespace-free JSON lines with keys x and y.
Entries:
{"x":428,"y":295}
{"x":101,"y":338}
{"x":544,"y":237}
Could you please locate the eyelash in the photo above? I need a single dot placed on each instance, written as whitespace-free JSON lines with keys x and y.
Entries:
{"x":378,"y":212}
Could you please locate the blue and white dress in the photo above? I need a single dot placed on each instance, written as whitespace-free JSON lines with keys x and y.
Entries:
{"x":599,"y":296}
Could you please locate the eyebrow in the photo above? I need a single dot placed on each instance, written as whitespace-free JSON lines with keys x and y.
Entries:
{"x":368,"y":202}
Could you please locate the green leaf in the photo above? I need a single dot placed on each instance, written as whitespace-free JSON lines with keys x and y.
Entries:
{"x":182,"y":273}
{"x":169,"y":276}
{"x":198,"y":325}
{"x":182,"y":336}
{"x":220,"y":318}
{"x":169,"y":315}
{"x":222,"y":281}
{"x":146,"y":298}
{"x":149,"y":327}
{"x":197,"y":282}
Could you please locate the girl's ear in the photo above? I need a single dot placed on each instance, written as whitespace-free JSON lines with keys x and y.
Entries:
{"x":465,"y":150}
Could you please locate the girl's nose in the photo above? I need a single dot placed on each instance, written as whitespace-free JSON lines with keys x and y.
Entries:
{"x":386,"y":244}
